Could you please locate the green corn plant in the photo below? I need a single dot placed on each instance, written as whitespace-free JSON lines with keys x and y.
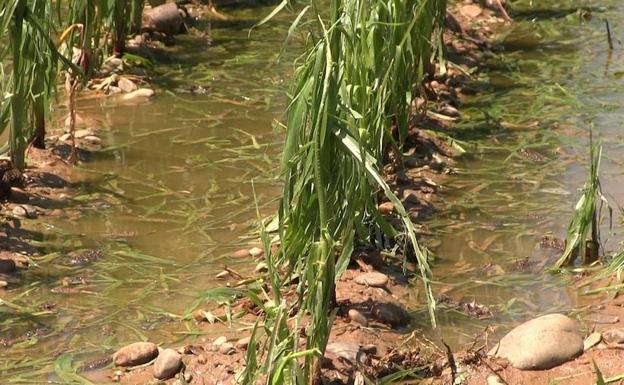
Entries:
{"x":349,"y":103}
{"x":583,"y":235}
{"x":33,"y":58}
{"x":33,"y":67}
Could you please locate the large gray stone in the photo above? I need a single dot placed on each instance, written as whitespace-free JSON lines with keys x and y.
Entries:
{"x":541,"y":343}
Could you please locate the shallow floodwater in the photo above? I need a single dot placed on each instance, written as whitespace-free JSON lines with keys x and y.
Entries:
{"x":553,"y":80}
{"x":172,"y":196}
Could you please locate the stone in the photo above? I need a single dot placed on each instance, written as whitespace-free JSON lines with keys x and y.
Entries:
{"x":126,"y":85}
{"x":494,"y":380}
{"x":135,"y":354}
{"x":114,"y":90}
{"x":7,"y":266}
{"x":79,"y":134}
{"x":613,"y":336}
{"x":449,"y":111}
{"x":92,"y":139}
{"x":167,"y":364}
{"x":243,"y":343}
{"x":3,"y":284}
{"x":261,"y":268}
{"x":256,"y":252}
{"x":386,"y":208}
{"x":223,"y":275}
{"x":227,"y":348}
{"x":470,"y":10}
{"x":346,"y":350}
{"x":242,"y":253}
{"x":391,"y":314}
{"x":25,"y":211}
{"x":356,"y":316}
{"x":372,"y":278}
{"x":139,"y":95}
{"x":591,"y":341}
{"x":219,"y":341}
{"x":541,"y":343}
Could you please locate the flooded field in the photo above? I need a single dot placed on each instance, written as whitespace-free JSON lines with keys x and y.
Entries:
{"x":175,"y":191}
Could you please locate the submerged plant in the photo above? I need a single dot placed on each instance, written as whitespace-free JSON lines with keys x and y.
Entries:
{"x":349,"y":103}
{"x":583,"y":237}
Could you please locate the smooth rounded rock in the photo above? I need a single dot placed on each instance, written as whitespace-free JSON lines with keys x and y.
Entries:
{"x":243,"y":343}
{"x":92,"y":139}
{"x":356,"y":316}
{"x":470,"y":10}
{"x":219,"y":341}
{"x":541,"y":343}
{"x":140,"y":94}
{"x":373,"y":279}
{"x":167,"y":364}
{"x":126,"y":85}
{"x":227,"y":348}
{"x":7,"y":266}
{"x":494,"y":380}
{"x":256,"y":252}
{"x":261,"y":268}
{"x":386,"y":208}
{"x":223,"y":275}
{"x":242,"y":253}
{"x":135,"y":354}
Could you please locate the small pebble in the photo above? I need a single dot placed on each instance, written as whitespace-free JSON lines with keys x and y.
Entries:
{"x":227,"y":348}
{"x":167,"y":364}
{"x":140,"y":94}
{"x":79,"y":134}
{"x":241,"y":253}
{"x":262,"y":267}
{"x":256,"y":252}
{"x":222,"y":275}
{"x":386,"y":208}
{"x":243,"y":343}
{"x":494,"y":380}
{"x":356,"y":316}
{"x":126,"y":85}
{"x":219,"y":341}
{"x":3,"y":284}
{"x":92,"y":139}
{"x":373,"y":279}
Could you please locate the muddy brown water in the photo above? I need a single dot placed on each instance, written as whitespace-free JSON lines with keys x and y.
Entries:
{"x":172,"y":197}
